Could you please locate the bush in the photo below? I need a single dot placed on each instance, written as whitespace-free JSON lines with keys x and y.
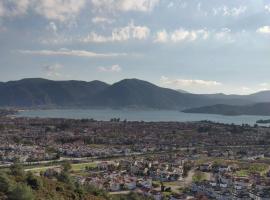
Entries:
{"x":131,"y":196}
{"x":16,"y":169}
{"x":199,"y":177}
{"x":66,"y":166}
{"x":5,"y":183}
{"x":21,"y":192}
{"x":64,"y":177}
{"x":96,"y":191}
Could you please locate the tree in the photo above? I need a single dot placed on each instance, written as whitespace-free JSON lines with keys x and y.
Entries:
{"x":21,"y":192}
{"x":33,"y":182}
{"x":66,"y":166}
{"x":80,"y":190}
{"x":186,"y":168}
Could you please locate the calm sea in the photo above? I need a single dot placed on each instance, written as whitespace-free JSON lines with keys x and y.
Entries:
{"x":137,"y":115}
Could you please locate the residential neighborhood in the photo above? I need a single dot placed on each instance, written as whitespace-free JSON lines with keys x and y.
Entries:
{"x":160,"y":160}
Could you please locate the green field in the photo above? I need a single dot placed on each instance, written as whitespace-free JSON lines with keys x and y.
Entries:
{"x":75,"y":167}
{"x":82,"y":166}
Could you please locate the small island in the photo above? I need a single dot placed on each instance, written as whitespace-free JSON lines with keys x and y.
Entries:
{"x":263,"y":121}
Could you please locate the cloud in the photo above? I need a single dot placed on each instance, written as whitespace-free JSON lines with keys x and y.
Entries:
{"x":56,"y":39}
{"x":161,"y":36}
{"x":255,"y":88}
{"x":65,"y":10}
{"x":60,"y":10}
{"x":67,"y":52}
{"x":267,"y":7}
{"x":52,"y":27}
{"x":170,"y":5}
{"x":229,"y":12}
{"x":53,"y":70}
{"x":113,"y":68}
{"x":224,"y":35}
{"x":13,"y":8}
{"x":120,"y":34}
{"x":264,"y":30}
{"x":101,"y":20}
{"x":188,"y":82}
{"x":264,"y":86}
{"x":125,"y":5}
{"x":185,"y":35}
{"x":181,"y":35}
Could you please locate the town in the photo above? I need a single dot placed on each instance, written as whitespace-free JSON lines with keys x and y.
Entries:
{"x":159,"y":160}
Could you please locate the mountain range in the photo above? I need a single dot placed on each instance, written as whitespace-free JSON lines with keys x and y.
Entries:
{"x":134,"y":93}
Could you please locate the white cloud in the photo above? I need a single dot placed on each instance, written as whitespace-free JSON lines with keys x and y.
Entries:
{"x":94,"y":37}
{"x":101,"y":20}
{"x":60,"y":10}
{"x":170,"y":5}
{"x":181,"y":35}
{"x":52,"y":27}
{"x":255,"y":88}
{"x":125,"y":5}
{"x":229,"y":12}
{"x":267,"y":7}
{"x":13,"y":8}
{"x":161,"y":36}
{"x":120,"y":34}
{"x":264,"y":30}
{"x":67,"y":52}
{"x":113,"y":68}
{"x":264,"y":84}
{"x":56,"y":39}
{"x":188,"y":82}
{"x":224,"y":35}
{"x":53,"y":70}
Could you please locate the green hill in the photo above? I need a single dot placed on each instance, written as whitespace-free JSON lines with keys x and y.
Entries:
{"x":254,"y":109}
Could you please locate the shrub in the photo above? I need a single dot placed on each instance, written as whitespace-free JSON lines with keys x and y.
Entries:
{"x":16,"y":169}
{"x":5,"y":183}
{"x":33,"y":181}
{"x":21,"y":192}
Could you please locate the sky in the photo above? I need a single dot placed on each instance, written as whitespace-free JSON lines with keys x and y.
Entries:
{"x":202,"y":46}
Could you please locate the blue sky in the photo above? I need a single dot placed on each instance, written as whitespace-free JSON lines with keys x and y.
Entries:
{"x":203,"y":46}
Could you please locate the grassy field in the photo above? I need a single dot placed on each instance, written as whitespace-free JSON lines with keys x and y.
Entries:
{"x":199,"y":176}
{"x":253,"y":168}
{"x":39,"y":169}
{"x":242,"y":173}
{"x":75,"y":167}
{"x":82,"y":166}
